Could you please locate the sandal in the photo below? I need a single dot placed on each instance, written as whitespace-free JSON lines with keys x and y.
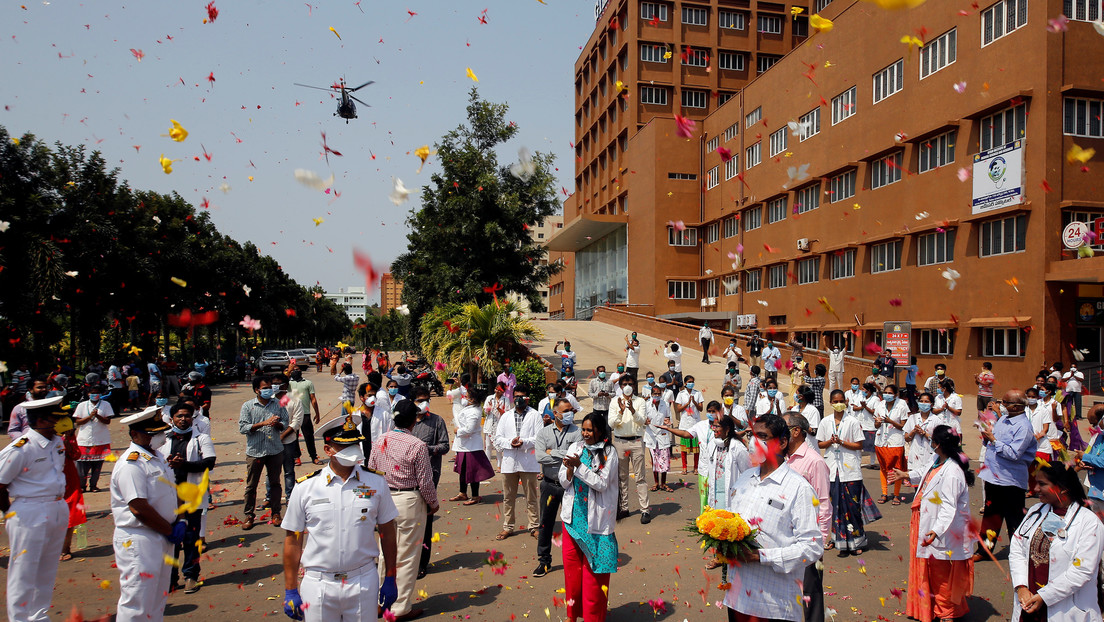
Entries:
{"x":316,"y":461}
{"x":66,"y":557}
{"x":460,"y":497}
{"x":896,"y":501}
{"x":504,"y":535}
{"x":666,"y":488}
{"x":654,"y":488}
{"x":883,"y":499}
{"x":473,"y":501}
{"x":829,"y":546}
{"x":713,"y":563}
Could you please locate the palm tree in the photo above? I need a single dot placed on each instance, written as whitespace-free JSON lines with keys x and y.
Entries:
{"x":469,"y":337}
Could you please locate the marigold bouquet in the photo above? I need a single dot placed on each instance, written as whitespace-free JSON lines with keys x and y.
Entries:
{"x":727,"y":533}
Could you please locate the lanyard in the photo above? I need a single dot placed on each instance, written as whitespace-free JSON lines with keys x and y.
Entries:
{"x":1040,"y":517}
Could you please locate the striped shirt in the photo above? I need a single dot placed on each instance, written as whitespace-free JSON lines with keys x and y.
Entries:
{"x":404,"y":460}
{"x":348,"y":390}
{"x":262,"y":441}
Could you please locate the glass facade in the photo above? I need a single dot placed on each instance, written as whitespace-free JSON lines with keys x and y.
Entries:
{"x":601,"y":274}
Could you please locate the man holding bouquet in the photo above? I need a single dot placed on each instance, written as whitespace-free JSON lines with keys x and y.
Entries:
{"x":779,"y":501}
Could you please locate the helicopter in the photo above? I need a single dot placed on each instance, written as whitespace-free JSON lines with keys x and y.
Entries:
{"x":346,"y":109}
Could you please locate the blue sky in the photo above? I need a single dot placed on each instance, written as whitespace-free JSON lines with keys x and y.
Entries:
{"x":69,"y":76}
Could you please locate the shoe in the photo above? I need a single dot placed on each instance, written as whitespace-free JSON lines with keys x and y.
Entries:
{"x":248,"y":524}
{"x":422,"y":573}
{"x":298,"y":462}
{"x":978,"y":557}
{"x":275,"y":520}
{"x":622,"y":514}
{"x":190,"y":586}
{"x":265,"y":506}
{"x":409,"y":615}
{"x":645,"y":518}
{"x":541,"y":570}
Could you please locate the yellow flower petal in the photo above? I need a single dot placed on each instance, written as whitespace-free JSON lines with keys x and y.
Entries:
{"x":820,"y":24}
{"x":471,"y":74}
{"x":177,"y":132}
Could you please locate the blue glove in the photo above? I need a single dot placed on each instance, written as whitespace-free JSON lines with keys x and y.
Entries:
{"x":179,"y":528}
{"x":389,"y":593}
{"x":293,"y":604}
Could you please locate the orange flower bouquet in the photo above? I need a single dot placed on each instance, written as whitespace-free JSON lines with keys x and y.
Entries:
{"x":725,"y":532}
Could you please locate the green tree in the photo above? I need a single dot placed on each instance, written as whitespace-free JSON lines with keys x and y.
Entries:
{"x":472,"y":230}
{"x":475,"y":339}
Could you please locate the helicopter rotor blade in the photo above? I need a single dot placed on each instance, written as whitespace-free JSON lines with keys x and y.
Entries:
{"x":354,"y":98}
{"x":313,"y":87}
{"x":362,"y":85}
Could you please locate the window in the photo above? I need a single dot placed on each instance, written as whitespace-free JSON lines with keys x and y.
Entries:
{"x":885,"y":171}
{"x":937,"y":342}
{"x":732,"y":132}
{"x":682,"y":290}
{"x":799,"y":26}
{"x":809,"y":124}
{"x":753,"y":117}
{"x":652,"y":53}
{"x":711,"y":178}
{"x":733,"y":61}
{"x":819,"y":5}
{"x":695,"y":58}
{"x":1003,"y":127}
{"x":712,"y":232}
{"x":1003,"y":342}
{"x":770,"y":24}
{"x":753,"y":218}
{"x":732,"y":167}
{"x":776,"y":320}
{"x":1082,"y":118}
{"x":885,"y":257}
{"x":731,"y":227}
{"x":653,"y":95}
{"x":766,"y":61}
{"x":843,"y":264}
{"x":809,"y":338}
{"x":753,"y":280}
{"x":653,"y":10}
{"x":682,"y":176}
{"x":876,"y":337}
{"x":723,"y":96}
{"x":776,"y":276}
{"x":731,"y":20}
{"x":934,"y":248}
{"x":843,"y":105}
{"x":842,"y":338}
{"x":889,"y":80}
{"x":938,"y":151}
{"x":695,"y":17}
{"x":778,"y":141}
{"x":807,"y":199}
{"x":1088,"y":218}
{"x":1001,"y":19}
{"x":712,"y":144}
{"x":732,"y":285}
{"x":842,"y":186}
{"x":1003,"y":236}
{"x":939,"y":53}
{"x":1082,"y":10}
{"x":694,"y":99}
{"x":752,"y":155}
{"x":776,"y":210}
{"x":808,"y":270}
{"x":686,"y":237}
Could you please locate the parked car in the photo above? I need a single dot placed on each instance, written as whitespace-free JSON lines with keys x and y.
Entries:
{"x":274,"y":360}
{"x":312,"y":355}
{"x":302,"y":360}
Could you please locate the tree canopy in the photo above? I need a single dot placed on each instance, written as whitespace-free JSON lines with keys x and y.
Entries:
{"x":471,"y":232}
{"x":87,"y":263}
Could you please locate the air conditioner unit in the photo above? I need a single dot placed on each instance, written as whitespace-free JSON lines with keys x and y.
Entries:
{"x":803,"y":244}
{"x":712,"y":302}
{"x":705,"y":302}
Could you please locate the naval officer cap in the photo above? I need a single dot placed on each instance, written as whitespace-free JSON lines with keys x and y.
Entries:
{"x":344,"y":429}
{"x":46,"y":407}
{"x":148,"y":421}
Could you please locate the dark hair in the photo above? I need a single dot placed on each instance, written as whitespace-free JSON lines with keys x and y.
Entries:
{"x":674,"y":347}
{"x":375,"y":379}
{"x":775,"y":424}
{"x":729,"y":388}
{"x":40,"y":378}
{"x":1031,"y":390}
{"x":346,"y":368}
{"x":1051,"y":388}
{"x":987,"y":365}
{"x":947,"y":384}
{"x":601,"y":431}
{"x":892,"y":387}
{"x":950,"y":443}
{"x":806,"y":393}
{"x":257,"y":380}
{"x":362,"y":390}
{"x":279,"y":378}
{"x":820,"y":369}
{"x":728,"y":426}
{"x":942,"y":366}
{"x":501,"y":385}
{"x":1065,"y":478}
{"x":552,"y":385}
{"x":870,"y":386}
{"x":465,"y":378}
{"x":770,"y":381}
{"x":832,"y":395}
{"x":406,"y":413}
{"x":179,"y":406}
{"x":714,"y":404}
{"x":912,"y":360}
{"x":1058,"y":366}
{"x":927,"y":394}
{"x":755,"y":371}
{"x":419,"y":391}
{"x":686,"y":379}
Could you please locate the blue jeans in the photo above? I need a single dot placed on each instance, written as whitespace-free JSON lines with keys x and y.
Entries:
{"x":291,"y":453}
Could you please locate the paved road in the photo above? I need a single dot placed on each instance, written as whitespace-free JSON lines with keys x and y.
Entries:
{"x":242,"y":571}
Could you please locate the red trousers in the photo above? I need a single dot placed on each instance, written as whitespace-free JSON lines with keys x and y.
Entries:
{"x":586,"y":592}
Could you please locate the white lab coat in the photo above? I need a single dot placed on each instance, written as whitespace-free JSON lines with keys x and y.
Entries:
{"x":602,"y":501}
{"x":945,"y":509}
{"x":522,"y":459}
{"x":1070,"y":594}
{"x":468,"y":435}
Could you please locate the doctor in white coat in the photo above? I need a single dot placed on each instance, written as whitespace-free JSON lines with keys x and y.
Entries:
{"x":514,"y":437}
{"x":1062,"y":538}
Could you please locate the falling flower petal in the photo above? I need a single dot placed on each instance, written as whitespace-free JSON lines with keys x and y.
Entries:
{"x":250,"y":324}
{"x":820,"y":24}
{"x":963,"y":173}
{"x":471,"y":74}
{"x":177,"y":132}
{"x":212,"y":13}
{"x":1099,"y":27}
{"x":166,"y":164}
{"x":960,"y":87}
{"x":726,"y":155}
{"x":311,"y":179}
{"x":4,"y":226}
{"x":685,"y":126}
{"x":139,"y":54}
{"x":423,"y":154}
{"x":318,"y":221}
{"x":179,"y":281}
{"x":525,"y":167}
{"x":399,"y":193}
{"x":1058,"y":24}
{"x":334,"y":30}
{"x":1077,"y":154}
{"x":677,"y":225}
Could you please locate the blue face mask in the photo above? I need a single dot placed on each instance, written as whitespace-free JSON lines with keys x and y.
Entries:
{"x":392,"y":391}
{"x":266,"y":394}
{"x":601,"y":375}
{"x":689,"y":385}
{"x":854,"y":387}
{"x":924,"y":407}
{"x":772,"y":392}
{"x":93,"y":397}
{"x":1042,"y":393}
{"x":161,"y":401}
{"x":651,"y":380}
{"x":662,"y":385}
{"x":177,"y":430}
{"x":889,"y":397}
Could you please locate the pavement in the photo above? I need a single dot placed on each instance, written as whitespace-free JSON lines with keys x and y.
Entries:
{"x":243,"y":578}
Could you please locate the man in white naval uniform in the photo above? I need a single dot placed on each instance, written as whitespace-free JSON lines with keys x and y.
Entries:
{"x":143,"y":506}
{"x":32,"y":490}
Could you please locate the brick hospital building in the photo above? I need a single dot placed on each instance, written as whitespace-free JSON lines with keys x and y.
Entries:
{"x":867,"y":169}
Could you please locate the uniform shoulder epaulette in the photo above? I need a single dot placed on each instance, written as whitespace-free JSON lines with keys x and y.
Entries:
{"x":21,"y":442}
{"x":307,"y":476}
{"x":380,"y":473}
{"x":133,"y":456}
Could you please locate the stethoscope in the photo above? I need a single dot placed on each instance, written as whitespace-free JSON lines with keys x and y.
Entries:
{"x":1062,"y":533}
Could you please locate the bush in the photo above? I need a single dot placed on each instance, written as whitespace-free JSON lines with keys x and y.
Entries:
{"x":530,"y":376}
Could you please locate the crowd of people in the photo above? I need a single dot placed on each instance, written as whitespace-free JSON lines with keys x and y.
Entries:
{"x":360,"y":527}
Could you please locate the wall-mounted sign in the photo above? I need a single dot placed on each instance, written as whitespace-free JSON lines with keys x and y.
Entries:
{"x":1073,"y":236}
{"x":998,"y":178}
{"x":599,"y":8}
{"x":897,"y":336}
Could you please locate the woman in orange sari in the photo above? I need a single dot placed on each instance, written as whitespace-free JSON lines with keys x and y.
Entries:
{"x":941,"y":573}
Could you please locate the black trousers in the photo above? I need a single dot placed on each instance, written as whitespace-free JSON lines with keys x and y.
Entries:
{"x":551,"y":495}
{"x":190,"y":569}
{"x":1002,"y":504}
{"x":427,"y":539}
{"x":308,"y":435}
{"x":813,"y":588}
{"x":705,"y":349}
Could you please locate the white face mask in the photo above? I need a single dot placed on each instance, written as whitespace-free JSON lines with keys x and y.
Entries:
{"x":350,"y":456}
{"x":423,"y":407}
{"x":158,"y":440}
{"x":719,"y":442}
{"x":627,"y":390}
{"x":568,"y":417}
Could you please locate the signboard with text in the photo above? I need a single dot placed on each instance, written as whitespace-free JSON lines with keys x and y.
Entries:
{"x":897,"y":336}
{"x":998,"y":178}
{"x":599,"y":8}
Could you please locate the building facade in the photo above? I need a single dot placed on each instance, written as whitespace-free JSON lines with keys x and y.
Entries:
{"x":352,"y":300}
{"x":903,"y":166}
{"x":390,"y":293}
{"x":540,"y":235}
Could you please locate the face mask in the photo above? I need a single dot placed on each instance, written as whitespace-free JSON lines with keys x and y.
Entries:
{"x":350,"y":456}
{"x":627,"y":390}
{"x":939,"y":372}
{"x":689,"y":385}
{"x":1031,"y":401}
{"x":620,"y":369}
{"x":655,"y":399}
{"x":266,"y":394}
{"x":177,"y":430}
{"x":276,"y":388}
{"x":662,"y":385}
{"x":924,"y":407}
{"x":889,"y":397}
{"x":732,"y":369}
{"x":728,"y":401}
{"x":877,"y":371}
{"x":63,"y":425}
{"x":854,"y":387}
{"x":551,"y":396}
{"x":567,"y":348}
{"x":568,"y":417}
{"x":772,"y":392}
{"x":601,"y":375}
{"x":158,"y":440}
{"x":93,"y":397}
{"x":711,"y":415}
{"x":651,"y":380}
{"x":508,"y":368}
{"x":392,"y":391}
{"x":719,"y":442}
{"x":1042,"y":393}
{"x":671,"y":369}
{"x":423,"y":407}
{"x":521,"y":403}
{"x":161,"y":401}
{"x":839,"y":407}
